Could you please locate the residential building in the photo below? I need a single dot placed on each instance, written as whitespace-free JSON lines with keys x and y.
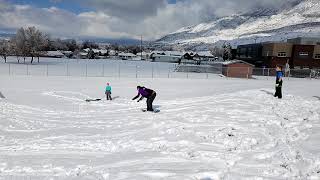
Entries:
{"x":127,"y":56}
{"x":53,"y":54}
{"x":166,"y":58}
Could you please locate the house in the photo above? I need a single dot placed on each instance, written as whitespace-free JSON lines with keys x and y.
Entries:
{"x":54,"y":54}
{"x":113,"y":53}
{"x":205,"y":56}
{"x":166,"y":58}
{"x":237,"y":69}
{"x":144,"y":55}
{"x":127,"y":56}
{"x":100,"y":52}
{"x":67,"y":53}
{"x":83,"y":55}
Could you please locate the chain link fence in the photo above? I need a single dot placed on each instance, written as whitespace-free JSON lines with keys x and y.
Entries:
{"x":139,"y":69}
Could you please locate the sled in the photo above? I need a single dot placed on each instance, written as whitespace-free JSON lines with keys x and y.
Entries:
{"x":154,"y":111}
{"x":91,"y":100}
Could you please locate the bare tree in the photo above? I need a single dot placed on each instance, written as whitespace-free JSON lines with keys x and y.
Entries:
{"x":216,"y":51}
{"x":36,"y":41}
{"x":19,"y":42}
{"x":4,"y":49}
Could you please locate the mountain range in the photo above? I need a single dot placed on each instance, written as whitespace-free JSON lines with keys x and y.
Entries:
{"x":297,"y":18}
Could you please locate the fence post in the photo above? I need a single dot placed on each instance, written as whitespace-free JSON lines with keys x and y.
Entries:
{"x":136,"y":71}
{"x":86,"y":70}
{"x":119,"y":70}
{"x":102,"y":70}
{"x":187,"y":72}
{"x":152,"y":71}
{"x":227,"y":71}
{"x":67,"y":69}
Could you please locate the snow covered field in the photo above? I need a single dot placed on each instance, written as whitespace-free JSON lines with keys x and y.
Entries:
{"x":207,"y":129}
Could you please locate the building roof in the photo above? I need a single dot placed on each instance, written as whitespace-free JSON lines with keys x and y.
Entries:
{"x":235,"y":62}
{"x":205,"y":53}
{"x":167,"y":55}
{"x":127,"y":54}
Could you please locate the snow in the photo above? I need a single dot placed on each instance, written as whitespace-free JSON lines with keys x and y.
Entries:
{"x":235,"y":61}
{"x":216,"y":128}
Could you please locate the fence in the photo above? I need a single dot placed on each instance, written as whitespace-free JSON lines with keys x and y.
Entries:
{"x":247,"y":72}
{"x":137,"y":69}
{"x":93,"y":68}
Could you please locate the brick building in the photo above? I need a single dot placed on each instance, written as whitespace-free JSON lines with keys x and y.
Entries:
{"x":299,"y":52}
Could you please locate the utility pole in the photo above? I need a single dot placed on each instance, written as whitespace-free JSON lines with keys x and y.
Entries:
{"x":141,"y":47}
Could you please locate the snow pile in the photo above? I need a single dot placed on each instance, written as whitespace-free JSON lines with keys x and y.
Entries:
{"x":216,"y":129}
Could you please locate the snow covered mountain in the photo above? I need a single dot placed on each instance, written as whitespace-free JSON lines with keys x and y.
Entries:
{"x":300,"y":18}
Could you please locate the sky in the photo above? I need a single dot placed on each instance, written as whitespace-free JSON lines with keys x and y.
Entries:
{"x":118,"y":18}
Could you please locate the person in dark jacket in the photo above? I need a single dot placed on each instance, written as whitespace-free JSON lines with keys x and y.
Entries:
{"x":279,"y":82}
{"x":146,"y":93}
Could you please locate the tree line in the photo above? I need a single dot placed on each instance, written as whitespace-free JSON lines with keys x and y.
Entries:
{"x":31,"y":42}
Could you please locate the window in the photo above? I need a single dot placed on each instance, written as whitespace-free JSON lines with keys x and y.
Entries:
{"x":282,"y":54}
{"x":317,"y":56}
{"x":303,"y":54}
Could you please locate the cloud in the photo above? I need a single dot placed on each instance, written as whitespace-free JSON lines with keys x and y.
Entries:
{"x":52,"y":20}
{"x":127,"y":9}
{"x":125,"y":18}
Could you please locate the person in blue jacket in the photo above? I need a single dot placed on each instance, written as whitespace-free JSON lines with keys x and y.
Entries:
{"x":146,"y":93}
{"x":108,"y":92}
{"x":279,"y":82}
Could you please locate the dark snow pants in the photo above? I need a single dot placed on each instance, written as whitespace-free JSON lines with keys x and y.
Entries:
{"x":150,"y":101}
{"x":108,"y":95}
{"x":278,"y":89}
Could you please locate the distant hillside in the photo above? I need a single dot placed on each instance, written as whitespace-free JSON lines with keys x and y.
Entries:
{"x":301,"y":18}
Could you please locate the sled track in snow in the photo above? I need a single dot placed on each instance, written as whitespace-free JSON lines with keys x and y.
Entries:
{"x":245,"y":134}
